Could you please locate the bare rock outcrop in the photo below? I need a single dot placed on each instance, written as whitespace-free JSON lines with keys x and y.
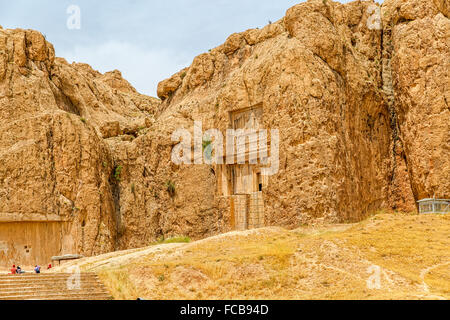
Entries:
{"x":317,"y":74}
{"x":55,"y":166}
{"x":363,"y":111}
{"x":417,"y":39}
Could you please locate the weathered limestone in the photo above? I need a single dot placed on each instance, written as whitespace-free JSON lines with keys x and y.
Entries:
{"x":317,"y":75}
{"x":56,"y":170}
{"x":419,"y":34}
{"x":31,"y":243}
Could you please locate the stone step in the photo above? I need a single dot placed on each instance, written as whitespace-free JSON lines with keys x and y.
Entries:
{"x":49,"y":290}
{"x":57,"y":296}
{"x":20,"y":290}
{"x":47,"y":284}
{"x":44,"y":275}
{"x":96,"y":287}
{"x":48,"y":280}
{"x":21,"y":279}
{"x":17,"y":280}
{"x":83,"y":284}
{"x":70,"y":298}
{"x":52,"y":292}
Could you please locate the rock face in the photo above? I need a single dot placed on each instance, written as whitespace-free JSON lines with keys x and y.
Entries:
{"x":55,"y":166}
{"x":417,"y":39}
{"x":360,"y":102}
{"x":317,"y":74}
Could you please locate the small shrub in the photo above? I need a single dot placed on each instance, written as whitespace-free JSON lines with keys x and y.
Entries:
{"x":83,"y":120}
{"x":183,"y":75}
{"x":206,"y":143}
{"x":181,"y":239}
{"x":177,"y":240}
{"x":118,"y":172}
{"x":133,"y":188}
{"x":171,"y":188}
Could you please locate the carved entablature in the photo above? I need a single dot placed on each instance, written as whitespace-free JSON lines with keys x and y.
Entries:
{"x":244,"y":175}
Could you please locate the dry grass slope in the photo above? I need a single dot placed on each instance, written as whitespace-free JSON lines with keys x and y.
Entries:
{"x":409,"y":253}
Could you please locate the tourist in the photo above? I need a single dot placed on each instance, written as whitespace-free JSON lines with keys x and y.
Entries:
{"x":49,"y":267}
{"x":13,"y":269}
{"x":37,"y":269}
{"x":19,"y":270}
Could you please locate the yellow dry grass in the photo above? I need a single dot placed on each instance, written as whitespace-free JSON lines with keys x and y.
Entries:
{"x":405,"y":256}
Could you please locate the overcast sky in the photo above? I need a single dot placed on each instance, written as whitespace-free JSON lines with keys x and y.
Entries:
{"x":147,"y":40}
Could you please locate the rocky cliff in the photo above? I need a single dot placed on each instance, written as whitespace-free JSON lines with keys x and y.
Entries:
{"x":361,"y":105}
{"x":55,"y":162}
{"x":416,"y":41}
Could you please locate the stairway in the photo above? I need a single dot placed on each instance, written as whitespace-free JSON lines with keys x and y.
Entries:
{"x":52,"y":286}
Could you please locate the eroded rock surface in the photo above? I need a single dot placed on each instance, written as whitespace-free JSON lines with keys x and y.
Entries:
{"x":55,"y":166}
{"x":417,"y":35}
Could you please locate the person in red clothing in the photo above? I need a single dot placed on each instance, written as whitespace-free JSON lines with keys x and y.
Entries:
{"x":49,"y":267}
{"x":13,"y":269}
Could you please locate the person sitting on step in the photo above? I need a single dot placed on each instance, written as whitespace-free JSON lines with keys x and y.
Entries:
{"x":37,"y":269}
{"x":13,"y":269}
{"x":19,"y":270}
